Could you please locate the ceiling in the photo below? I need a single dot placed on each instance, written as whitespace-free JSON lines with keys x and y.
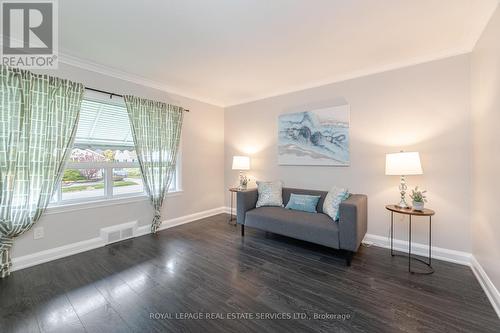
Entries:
{"x":227,"y":52}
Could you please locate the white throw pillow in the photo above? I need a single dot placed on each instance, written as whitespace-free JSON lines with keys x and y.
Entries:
{"x":270,"y":194}
{"x":332,"y":201}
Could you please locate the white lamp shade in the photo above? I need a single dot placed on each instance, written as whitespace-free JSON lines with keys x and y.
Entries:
{"x":241,"y":163}
{"x":403,"y":164}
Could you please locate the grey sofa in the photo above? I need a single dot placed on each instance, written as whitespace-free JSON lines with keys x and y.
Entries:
{"x":345,"y":234}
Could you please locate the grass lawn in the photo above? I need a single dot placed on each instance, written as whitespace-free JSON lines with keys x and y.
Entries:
{"x":96,"y":186}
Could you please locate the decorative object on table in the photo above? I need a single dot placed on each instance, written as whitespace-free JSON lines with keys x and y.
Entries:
{"x":244,"y":180}
{"x":403,"y":164}
{"x":424,"y":212}
{"x":242,"y":163}
{"x":317,"y":137}
{"x":418,"y":199}
{"x":270,"y":194}
{"x":332,"y":201}
{"x":303,"y":202}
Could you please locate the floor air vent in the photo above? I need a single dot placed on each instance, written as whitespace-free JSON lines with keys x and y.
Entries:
{"x":118,"y":232}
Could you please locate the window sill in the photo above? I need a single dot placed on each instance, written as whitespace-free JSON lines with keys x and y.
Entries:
{"x":68,"y":207}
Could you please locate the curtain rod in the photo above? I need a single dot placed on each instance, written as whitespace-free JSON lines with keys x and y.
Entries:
{"x":111,"y":94}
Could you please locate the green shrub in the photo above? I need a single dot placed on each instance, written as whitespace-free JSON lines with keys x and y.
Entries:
{"x":134,"y":173}
{"x":72,"y":175}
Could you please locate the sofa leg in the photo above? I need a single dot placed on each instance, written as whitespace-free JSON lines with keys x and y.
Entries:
{"x":348,"y":258}
{"x":242,"y":230}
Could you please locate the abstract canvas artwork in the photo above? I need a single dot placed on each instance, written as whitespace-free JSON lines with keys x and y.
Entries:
{"x":317,"y":137}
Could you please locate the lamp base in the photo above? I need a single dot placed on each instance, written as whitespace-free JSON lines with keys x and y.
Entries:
{"x":403,"y":204}
{"x":243,"y":181}
{"x":402,"y":192}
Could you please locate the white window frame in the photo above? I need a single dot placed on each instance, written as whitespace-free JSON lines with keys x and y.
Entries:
{"x":107,"y":167}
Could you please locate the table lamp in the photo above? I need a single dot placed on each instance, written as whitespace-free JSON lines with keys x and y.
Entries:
{"x":403,"y":164}
{"x":241,"y":163}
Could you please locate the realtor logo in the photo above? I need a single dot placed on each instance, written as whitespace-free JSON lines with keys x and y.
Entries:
{"x":29,"y":34}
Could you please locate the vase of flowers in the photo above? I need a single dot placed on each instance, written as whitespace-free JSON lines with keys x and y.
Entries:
{"x":419,"y":198}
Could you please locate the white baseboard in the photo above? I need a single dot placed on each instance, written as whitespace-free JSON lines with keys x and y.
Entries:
{"x":55,"y":253}
{"x":457,"y":257}
{"x":146,"y":229}
{"x":227,"y":210}
{"x":488,"y":286}
{"x":93,"y":243}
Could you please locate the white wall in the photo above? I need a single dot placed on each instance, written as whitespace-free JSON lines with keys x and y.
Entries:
{"x":421,"y":108}
{"x":485,"y":155}
{"x":202,"y":171}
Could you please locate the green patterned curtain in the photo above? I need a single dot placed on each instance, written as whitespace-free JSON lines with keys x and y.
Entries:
{"x":38,"y":121}
{"x":156,"y":128}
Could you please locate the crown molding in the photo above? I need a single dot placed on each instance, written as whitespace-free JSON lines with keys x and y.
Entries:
{"x":358,"y":74}
{"x":137,"y":79}
{"x":133,"y":78}
{"x":88,"y":65}
{"x":474,"y":37}
{"x":122,"y":75}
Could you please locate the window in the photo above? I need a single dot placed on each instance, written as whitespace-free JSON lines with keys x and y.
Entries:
{"x":103,"y":163}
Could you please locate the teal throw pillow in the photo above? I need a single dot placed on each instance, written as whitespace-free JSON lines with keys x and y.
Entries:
{"x":302,"y":202}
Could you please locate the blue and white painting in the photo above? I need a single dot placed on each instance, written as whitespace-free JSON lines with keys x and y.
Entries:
{"x":317,"y":137}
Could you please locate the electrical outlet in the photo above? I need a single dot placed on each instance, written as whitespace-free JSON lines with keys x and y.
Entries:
{"x":38,"y":233}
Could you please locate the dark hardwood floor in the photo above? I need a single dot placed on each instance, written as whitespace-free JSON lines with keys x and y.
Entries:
{"x":206,"y":267}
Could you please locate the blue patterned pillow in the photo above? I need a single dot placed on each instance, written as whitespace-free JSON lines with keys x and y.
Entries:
{"x":302,"y":202}
{"x":332,"y":202}
{"x":270,"y":194}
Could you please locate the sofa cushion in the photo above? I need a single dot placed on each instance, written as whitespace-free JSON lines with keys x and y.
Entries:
{"x":312,"y":227}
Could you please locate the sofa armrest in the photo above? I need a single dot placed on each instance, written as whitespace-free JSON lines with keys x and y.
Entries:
{"x":353,"y":221}
{"x":245,"y":200}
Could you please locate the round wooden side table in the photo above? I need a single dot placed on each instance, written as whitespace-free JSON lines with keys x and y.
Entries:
{"x":410,"y":212}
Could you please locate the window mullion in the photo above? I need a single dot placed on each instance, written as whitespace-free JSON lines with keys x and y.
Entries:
{"x":109,"y":181}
